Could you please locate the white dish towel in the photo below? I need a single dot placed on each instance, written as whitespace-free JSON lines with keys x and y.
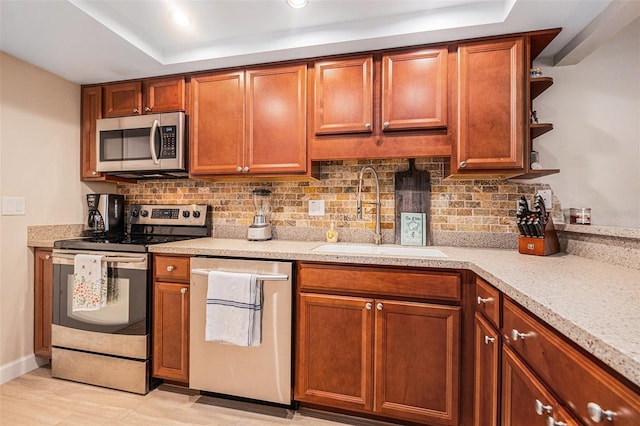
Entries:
{"x":89,"y":282}
{"x":234,"y":308}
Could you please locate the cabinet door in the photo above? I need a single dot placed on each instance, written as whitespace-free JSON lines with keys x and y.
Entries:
{"x":164,"y":95}
{"x":91,"y":111}
{"x":334,"y":351}
{"x":171,"y":331}
{"x":43,"y":302}
{"x":491,"y":119}
{"x":414,"y":90}
{"x":276,"y":100}
{"x":123,"y":99}
{"x":525,"y":400}
{"x":217,"y":124}
{"x":417,"y":361}
{"x":343,"y":98}
{"x":486,"y":387}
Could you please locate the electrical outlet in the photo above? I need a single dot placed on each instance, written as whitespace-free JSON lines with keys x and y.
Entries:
{"x":546,"y":196}
{"x":316,"y":207}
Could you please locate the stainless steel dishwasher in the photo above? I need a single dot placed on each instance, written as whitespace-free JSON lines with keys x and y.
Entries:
{"x":263,"y":372}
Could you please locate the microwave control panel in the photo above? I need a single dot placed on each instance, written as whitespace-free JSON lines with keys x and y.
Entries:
{"x":169,"y":140}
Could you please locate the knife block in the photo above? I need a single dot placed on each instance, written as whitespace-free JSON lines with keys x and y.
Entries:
{"x":537,"y":246}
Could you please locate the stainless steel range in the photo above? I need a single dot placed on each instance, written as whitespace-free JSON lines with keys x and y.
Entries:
{"x":102,"y":289}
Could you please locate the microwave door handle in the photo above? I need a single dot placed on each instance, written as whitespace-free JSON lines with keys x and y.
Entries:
{"x":152,"y":141}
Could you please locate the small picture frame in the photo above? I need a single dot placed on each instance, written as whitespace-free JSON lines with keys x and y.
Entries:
{"x":413,"y":229}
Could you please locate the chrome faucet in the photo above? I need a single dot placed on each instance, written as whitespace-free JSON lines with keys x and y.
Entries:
{"x":377,"y":238}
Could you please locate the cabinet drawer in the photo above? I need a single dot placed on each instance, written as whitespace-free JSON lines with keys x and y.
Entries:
{"x":380,"y":281}
{"x":573,"y":376}
{"x":171,"y":268}
{"x":488,"y":301}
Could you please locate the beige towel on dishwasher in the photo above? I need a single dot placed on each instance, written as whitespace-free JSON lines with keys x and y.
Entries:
{"x":234,"y":308}
{"x":89,"y":282}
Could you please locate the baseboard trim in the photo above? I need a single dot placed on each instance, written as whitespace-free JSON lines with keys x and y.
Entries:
{"x":20,"y":366}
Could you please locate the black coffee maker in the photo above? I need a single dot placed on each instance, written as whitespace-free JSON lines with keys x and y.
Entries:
{"x":105,"y":215}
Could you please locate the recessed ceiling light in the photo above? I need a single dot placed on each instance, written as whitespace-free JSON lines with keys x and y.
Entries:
{"x":180,"y":19}
{"x":298,"y":4}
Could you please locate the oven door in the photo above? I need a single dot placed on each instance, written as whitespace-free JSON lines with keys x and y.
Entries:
{"x":127,"y":310}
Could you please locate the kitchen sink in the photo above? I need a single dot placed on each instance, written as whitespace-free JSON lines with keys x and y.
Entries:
{"x":385,"y":250}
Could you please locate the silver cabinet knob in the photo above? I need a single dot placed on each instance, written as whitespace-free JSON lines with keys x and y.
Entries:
{"x":367,"y":125}
{"x":542,"y":409}
{"x":47,"y":257}
{"x":94,"y":173}
{"x":379,"y":306}
{"x":368,"y":306}
{"x":463,"y":164}
{"x":597,"y":414}
{"x":552,"y":422}
{"x":136,"y":110}
{"x":239,"y":169}
{"x":516,"y":335}
{"x":246,"y":169}
{"x":147,"y":109}
{"x":488,"y":340}
{"x":482,"y":301}
{"x":385,"y":124}
{"x":183,"y":290}
{"x":170,"y":268}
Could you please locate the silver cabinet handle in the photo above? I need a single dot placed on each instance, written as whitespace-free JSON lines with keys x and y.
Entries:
{"x":368,"y":306}
{"x":147,"y":109}
{"x":541,"y":408}
{"x":385,"y":124}
{"x":463,"y":164}
{"x":552,"y":422}
{"x":482,"y":301}
{"x":135,"y":110}
{"x":516,"y":335}
{"x":239,"y":169}
{"x":170,"y":268}
{"x":379,"y":306}
{"x":246,"y":169}
{"x":488,"y":340}
{"x":597,"y":414}
{"x":183,"y":290}
{"x":367,"y":125}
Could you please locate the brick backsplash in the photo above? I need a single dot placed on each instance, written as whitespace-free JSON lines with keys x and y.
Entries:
{"x":456,"y":205}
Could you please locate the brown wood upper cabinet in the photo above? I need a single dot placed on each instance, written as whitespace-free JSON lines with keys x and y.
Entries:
{"x":91,"y":111}
{"x":491,"y":108}
{"x":414,"y":90}
{"x":144,"y":97}
{"x":381,"y":106}
{"x":249,"y":122}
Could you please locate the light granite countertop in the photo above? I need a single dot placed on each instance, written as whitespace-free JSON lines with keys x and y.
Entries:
{"x":593,"y":303}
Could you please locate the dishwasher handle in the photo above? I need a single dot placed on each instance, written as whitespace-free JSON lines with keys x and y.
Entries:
{"x":261,"y":277}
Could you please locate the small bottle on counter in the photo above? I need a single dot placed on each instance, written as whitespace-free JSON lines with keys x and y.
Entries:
{"x":332,"y":234}
{"x":580,"y":216}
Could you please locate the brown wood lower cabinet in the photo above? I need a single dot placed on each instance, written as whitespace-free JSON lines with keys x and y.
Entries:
{"x":43,"y":302}
{"x":170,"y":357}
{"x":393,"y":358}
{"x":486,"y":390}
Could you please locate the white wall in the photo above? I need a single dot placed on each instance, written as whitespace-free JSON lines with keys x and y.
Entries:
{"x":595,"y":109}
{"x":39,"y":160}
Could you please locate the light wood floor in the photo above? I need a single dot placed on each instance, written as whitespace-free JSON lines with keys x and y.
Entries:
{"x":37,"y":399}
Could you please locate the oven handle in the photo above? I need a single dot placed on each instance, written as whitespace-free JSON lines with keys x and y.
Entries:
{"x":260,"y":277}
{"x":107,"y":258}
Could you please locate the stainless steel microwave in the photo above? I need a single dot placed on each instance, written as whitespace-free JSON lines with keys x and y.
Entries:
{"x":142,"y":146}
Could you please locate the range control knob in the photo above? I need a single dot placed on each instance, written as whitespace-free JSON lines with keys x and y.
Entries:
{"x":144,"y":213}
{"x":196,"y":214}
{"x":134,"y":213}
{"x":185,"y":213}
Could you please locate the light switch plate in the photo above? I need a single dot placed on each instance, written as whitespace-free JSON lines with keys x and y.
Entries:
{"x":546,"y":196}
{"x":13,"y":206}
{"x":316,"y":207}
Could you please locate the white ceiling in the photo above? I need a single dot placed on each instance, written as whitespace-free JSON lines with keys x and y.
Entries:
{"x":91,"y":41}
